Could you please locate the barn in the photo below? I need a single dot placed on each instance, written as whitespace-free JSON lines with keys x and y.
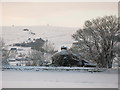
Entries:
{"x":65,"y":58}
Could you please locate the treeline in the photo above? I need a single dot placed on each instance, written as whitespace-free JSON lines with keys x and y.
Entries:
{"x":36,"y":44}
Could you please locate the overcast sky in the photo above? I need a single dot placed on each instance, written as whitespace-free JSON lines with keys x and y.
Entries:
{"x":55,"y":14}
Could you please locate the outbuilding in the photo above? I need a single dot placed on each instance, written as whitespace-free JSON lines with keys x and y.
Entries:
{"x":65,"y":58}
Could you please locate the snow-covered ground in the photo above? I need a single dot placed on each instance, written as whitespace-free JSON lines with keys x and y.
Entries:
{"x":59,"y":79}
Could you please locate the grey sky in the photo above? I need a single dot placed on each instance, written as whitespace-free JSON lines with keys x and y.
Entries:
{"x":67,"y":14}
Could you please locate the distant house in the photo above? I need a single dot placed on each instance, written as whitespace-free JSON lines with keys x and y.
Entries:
{"x":18,"y":55}
{"x":12,"y":53}
{"x":75,"y":44}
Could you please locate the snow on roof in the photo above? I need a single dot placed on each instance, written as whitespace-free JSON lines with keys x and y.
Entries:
{"x":64,"y":52}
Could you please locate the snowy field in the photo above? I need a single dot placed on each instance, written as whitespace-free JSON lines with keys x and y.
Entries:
{"x":59,"y":79}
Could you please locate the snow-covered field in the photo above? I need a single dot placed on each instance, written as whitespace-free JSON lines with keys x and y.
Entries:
{"x":59,"y":79}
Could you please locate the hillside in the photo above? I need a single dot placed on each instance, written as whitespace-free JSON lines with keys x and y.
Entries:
{"x":58,"y":35}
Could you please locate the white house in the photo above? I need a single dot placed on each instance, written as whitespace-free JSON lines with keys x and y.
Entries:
{"x":18,"y":55}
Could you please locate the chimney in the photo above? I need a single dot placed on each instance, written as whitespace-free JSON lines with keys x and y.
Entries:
{"x":63,"y":48}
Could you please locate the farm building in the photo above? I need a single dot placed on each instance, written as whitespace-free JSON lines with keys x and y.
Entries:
{"x":65,"y":58}
{"x":68,"y":58}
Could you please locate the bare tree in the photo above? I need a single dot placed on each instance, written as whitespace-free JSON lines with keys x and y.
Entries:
{"x":3,"y":53}
{"x":49,"y":50}
{"x":96,"y":40}
{"x":2,"y":43}
{"x":49,"y":47}
{"x":37,"y":58}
